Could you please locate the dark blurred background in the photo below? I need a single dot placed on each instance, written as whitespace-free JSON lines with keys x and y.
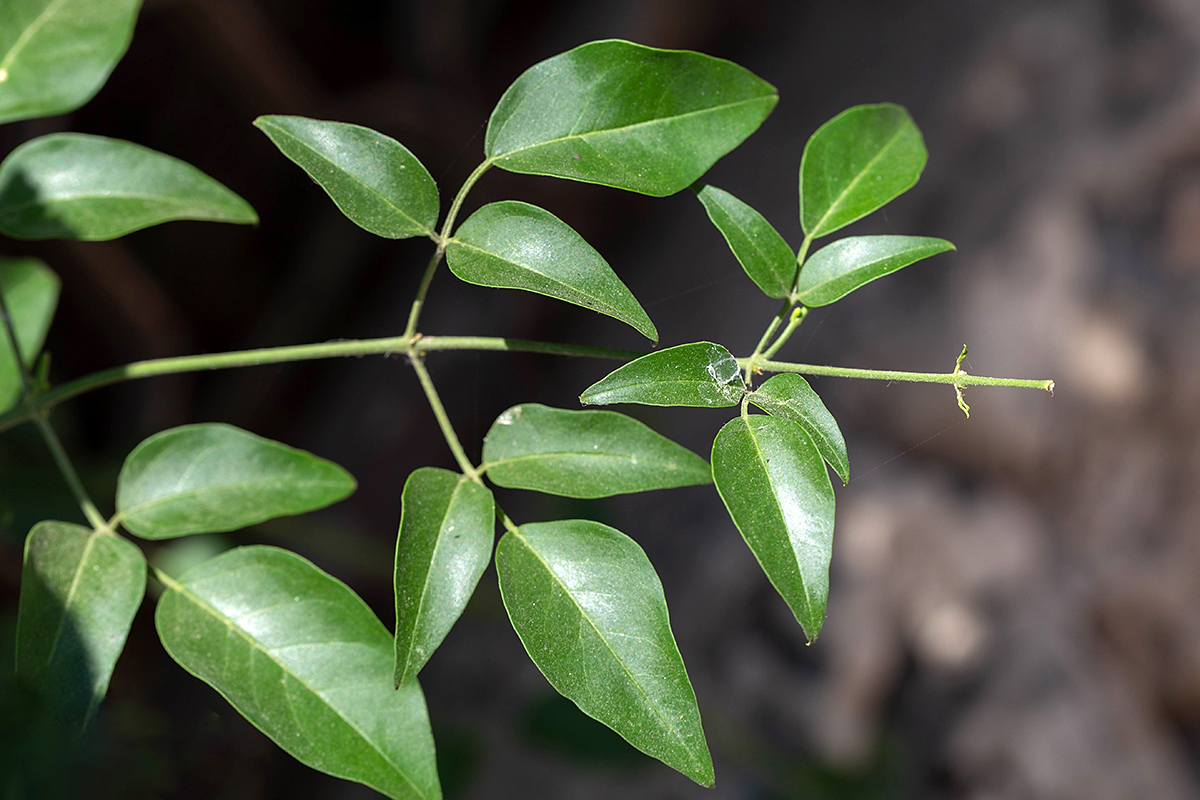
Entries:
{"x":1015,"y":605}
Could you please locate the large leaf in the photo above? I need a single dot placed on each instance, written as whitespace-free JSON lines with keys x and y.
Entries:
{"x":56,"y":54}
{"x":590,"y":611}
{"x":585,"y":454}
{"x":513,"y":245}
{"x":31,"y":294}
{"x":774,"y":483}
{"x":297,"y":653}
{"x":697,"y":374}
{"x":762,"y":252}
{"x":79,"y":593}
{"x":372,"y":178}
{"x":624,"y":115}
{"x":789,"y":396}
{"x":213,"y":477}
{"x":447,"y":526}
{"x":857,"y":162}
{"x":77,"y":186}
{"x":839,"y":268}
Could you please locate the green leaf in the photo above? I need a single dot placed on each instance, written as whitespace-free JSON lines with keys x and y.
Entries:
{"x":447,"y":526}
{"x":77,"y":186}
{"x":372,"y":178}
{"x":620,"y":114}
{"x":31,"y":294}
{"x":774,"y":483}
{"x":841,"y":267}
{"x":857,"y":162}
{"x":590,"y":611}
{"x":789,"y":396}
{"x":56,"y":54}
{"x":513,"y":245}
{"x":585,"y":454}
{"x":762,"y":252}
{"x":697,"y":374}
{"x":214,"y":477}
{"x":302,"y":657}
{"x":79,"y":593}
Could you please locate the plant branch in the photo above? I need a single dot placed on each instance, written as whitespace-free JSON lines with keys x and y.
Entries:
{"x":94,"y":518}
{"x":956,"y":378}
{"x":443,"y":419}
{"x":798,"y":315}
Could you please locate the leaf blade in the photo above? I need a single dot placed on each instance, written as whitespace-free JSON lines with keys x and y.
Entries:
{"x":758,"y":247}
{"x":843,"y":266}
{"x":700,"y":374}
{"x":789,"y":396}
{"x":31,"y":295}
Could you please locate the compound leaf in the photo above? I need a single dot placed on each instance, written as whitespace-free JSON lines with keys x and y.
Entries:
{"x":31,"y":295}
{"x":620,"y":114}
{"x":447,"y":526}
{"x":373,"y":179}
{"x":696,"y":374}
{"x":79,"y":593}
{"x":213,"y":477}
{"x":302,"y":657}
{"x":789,"y":396}
{"x":56,"y":54}
{"x":841,"y":267}
{"x":857,"y":162}
{"x":78,"y":186}
{"x":775,"y":486}
{"x":513,"y":245}
{"x":585,"y":454}
{"x":590,"y":610}
{"x":759,"y":248}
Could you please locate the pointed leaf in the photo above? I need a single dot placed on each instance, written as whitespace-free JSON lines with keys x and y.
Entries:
{"x":56,"y":54}
{"x":77,"y":186}
{"x":585,"y":454}
{"x":590,"y":611}
{"x":759,"y":248}
{"x":372,"y":178}
{"x":297,"y":653}
{"x":31,"y":294}
{"x":213,"y":477}
{"x":789,"y":396}
{"x":513,"y":245}
{"x":624,"y":115}
{"x":857,"y":162}
{"x":777,"y":490}
{"x":841,"y":267}
{"x":79,"y":593}
{"x":697,"y":374}
{"x":447,"y":526}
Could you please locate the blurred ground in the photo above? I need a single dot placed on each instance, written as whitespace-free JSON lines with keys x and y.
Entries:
{"x":1015,"y":607}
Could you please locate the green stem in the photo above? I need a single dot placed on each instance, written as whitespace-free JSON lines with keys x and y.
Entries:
{"x":443,"y":419}
{"x":798,"y":315}
{"x":952,"y":378}
{"x":752,"y":361}
{"x":70,"y":475}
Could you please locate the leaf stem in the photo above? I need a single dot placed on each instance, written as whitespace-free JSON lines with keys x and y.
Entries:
{"x":798,"y":315}
{"x":443,"y":419}
{"x":956,"y":378}
{"x":69,"y":474}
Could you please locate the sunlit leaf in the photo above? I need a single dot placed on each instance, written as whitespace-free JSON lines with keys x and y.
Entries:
{"x":590,"y":611}
{"x":624,"y":115}
{"x":697,"y":374}
{"x":77,"y":186}
{"x":213,"y":477}
{"x":839,"y":268}
{"x":79,"y":593}
{"x":447,"y":526}
{"x":789,"y":396}
{"x":759,"y":248}
{"x":372,"y":178}
{"x":297,"y":653}
{"x":31,"y":294}
{"x":774,"y":483}
{"x":513,"y":245}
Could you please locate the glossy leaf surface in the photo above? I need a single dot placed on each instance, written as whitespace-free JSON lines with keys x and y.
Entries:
{"x":31,"y":295}
{"x":78,"y":186}
{"x":372,"y":178}
{"x":758,"y":247}
{"x":857,"y":162}
{"x":447,"y":527}
{"x":585,"y":454}
{"x":624,"y":115}
{"x":591,"y":613}
{"x":56,"y":54}
{"x":789,"y":396}
{"x":841,"y":267}
{"x":79,"y":593}
{"x":513,"y":245}
{"x":776,"y":488}
{"x":212,"y":477}
{"x":297,"y":653}
{"x":696,"y":374}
